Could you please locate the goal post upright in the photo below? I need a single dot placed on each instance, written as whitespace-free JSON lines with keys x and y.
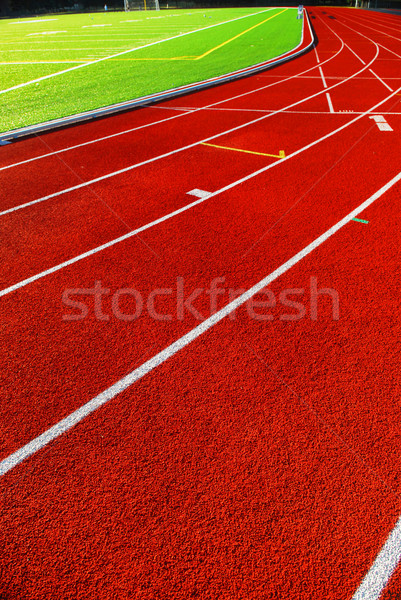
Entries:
{"x":141,"y":5}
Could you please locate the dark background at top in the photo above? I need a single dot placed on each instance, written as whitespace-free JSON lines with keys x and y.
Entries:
{"x":32,"y":7}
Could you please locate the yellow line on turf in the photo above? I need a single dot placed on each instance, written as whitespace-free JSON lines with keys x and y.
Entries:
{"x":281,"y":154}
{"x":239,"y":35}
{"x":139,"y":59}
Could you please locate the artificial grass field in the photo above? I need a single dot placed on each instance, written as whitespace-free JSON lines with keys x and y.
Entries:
{"x":36,"y":47}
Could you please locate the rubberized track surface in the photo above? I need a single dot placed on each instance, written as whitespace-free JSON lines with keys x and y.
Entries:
{"x":258,"y":456}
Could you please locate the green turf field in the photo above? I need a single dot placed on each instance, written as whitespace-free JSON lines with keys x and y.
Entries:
{"x":66,"y":46}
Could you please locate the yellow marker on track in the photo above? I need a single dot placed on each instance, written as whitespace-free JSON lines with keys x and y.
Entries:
{"x":281,"y":154}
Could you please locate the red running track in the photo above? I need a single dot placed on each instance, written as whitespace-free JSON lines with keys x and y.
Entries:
{"x":260,"y":460}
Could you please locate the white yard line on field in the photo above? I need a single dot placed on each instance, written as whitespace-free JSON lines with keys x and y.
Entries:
{"x":15,"y":87}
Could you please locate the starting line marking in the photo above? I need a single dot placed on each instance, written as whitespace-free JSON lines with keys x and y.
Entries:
{"x":381,"y":123}
{"x":199,"y":193}
{"x":281,"y":154}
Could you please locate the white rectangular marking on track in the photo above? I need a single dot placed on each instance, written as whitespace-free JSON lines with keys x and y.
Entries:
{"x":384,"y":127}
{"x":199,"y":193}
{"x":322,"y":76}
{"x":329,"y":102}
{"x":381,"y":123}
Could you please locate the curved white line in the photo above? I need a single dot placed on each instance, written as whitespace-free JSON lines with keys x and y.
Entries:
{"x":135,"y":232}
{"x":192,"y":111}
{"x":188,"y":146}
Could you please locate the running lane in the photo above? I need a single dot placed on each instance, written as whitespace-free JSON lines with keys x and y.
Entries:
{"x":100,"y":212}
{"x":262,"y":459}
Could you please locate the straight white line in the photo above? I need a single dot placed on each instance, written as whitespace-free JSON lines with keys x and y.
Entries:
{"x":388,"y":50}
{"x":358,"y":57}
{"x":322,"y":76}
{"x":43,"y":62}
{"x":35,"y":21}
{"x":381,"y":80}
{"x":67,"y":423}
{"x":80,"y":257}
{"x":43,"y":33}
{"x":15,"y":87}
{"x":298,"y":112}
{"x":383,"y":567}
{"x":330,"y":102}
{"x":177,"y":150}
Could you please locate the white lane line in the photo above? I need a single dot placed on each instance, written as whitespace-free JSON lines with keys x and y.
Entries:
{"x":301,"y":112}
{"x":388,"y":50}
{"x":317,"y":56}
{"x":330,"y":103}
{"x":182,"y":149}
{"x":373,"y":29}
{"x":89,"y":253}
{"x":43,"y":62}
{"x":74,"y":418}
{"x":199,"y":193}
{"x":381,"y":80}
{"x":380,"y":24}
{"x":95,"y":141}
{"x":354,"y":53}
{"x":377,"y":31}
{"x":35,"y":21}
{"x":44,"y":33}
{"x":322,"y":76}
{"x":383,"y":567}
{"x":397,"y":29}
{"x":22,"y":162}
{"x":20,"y":85}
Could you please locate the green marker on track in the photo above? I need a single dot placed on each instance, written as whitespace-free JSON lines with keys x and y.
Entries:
{"x":361,"y":221}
